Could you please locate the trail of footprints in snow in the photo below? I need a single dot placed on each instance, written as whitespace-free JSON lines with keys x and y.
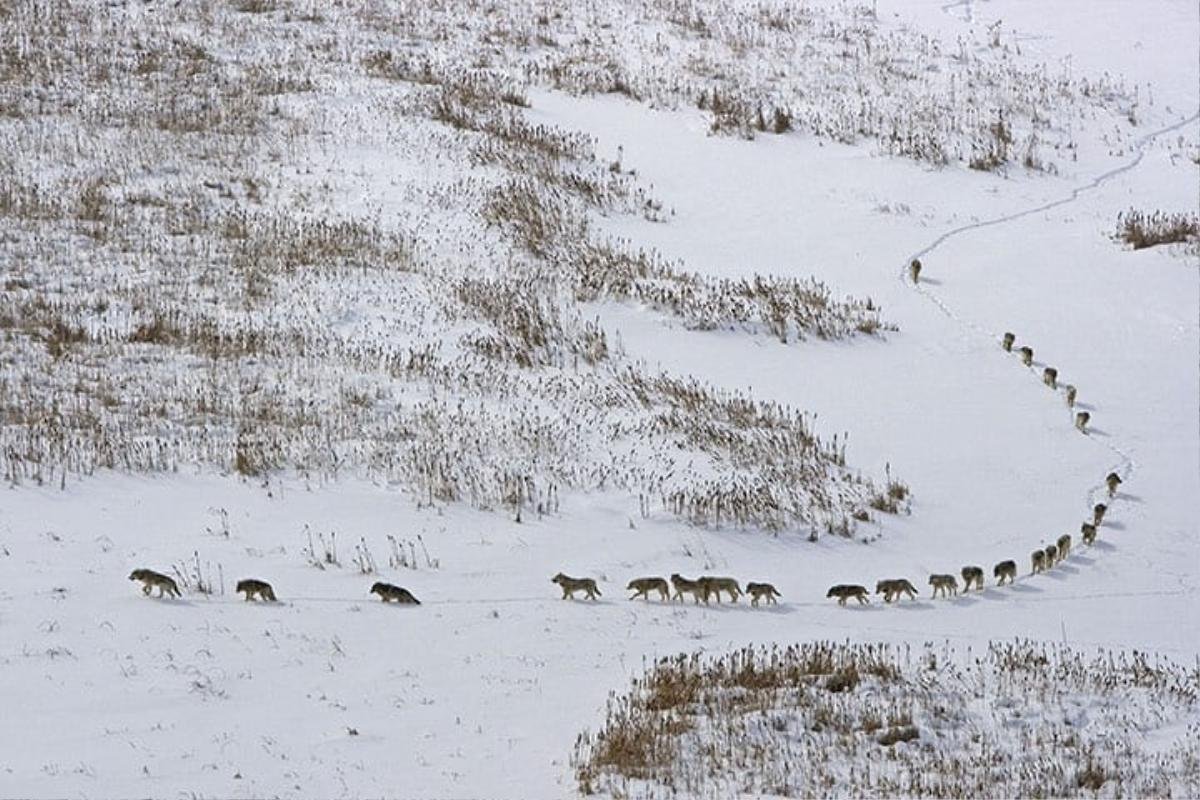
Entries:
{"x":910,"y":273}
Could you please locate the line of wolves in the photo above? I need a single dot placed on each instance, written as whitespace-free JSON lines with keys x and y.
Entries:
{"x":701,"y":588}
{"x":1040,"y":560}
{"x":708,"y":586}
{"x":254,"y":588}
{"x":1049,"y":374}
{"x":1050,"y":378}
{"x":1004,"y":572}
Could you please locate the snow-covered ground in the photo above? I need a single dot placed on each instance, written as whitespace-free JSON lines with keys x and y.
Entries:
{"x":481,"y":690}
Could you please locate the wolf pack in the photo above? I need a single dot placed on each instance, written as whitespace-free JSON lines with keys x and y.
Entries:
{"x":255,"y":589}
{"x":704,"y":588}
{"x":892,"y":589}
{"x":709,"y":587}
{"x":946,"y":585}
{"x":1008,"y":341}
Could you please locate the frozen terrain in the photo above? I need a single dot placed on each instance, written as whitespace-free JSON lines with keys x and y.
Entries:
{"x":482,"y":690}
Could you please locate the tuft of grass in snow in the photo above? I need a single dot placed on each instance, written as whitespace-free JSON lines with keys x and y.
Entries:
{"x":1142,"y":229}
{"x":876,"y":720}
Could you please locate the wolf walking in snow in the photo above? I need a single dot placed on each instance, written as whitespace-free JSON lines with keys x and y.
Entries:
{"x":946,"y":584}
{"x":1112,"y":481}
{"x":1098,"y":513}
{"x":758,"y":591}
{"x":843,"y":592}
{"x":1064,"y":546}
{"x":1005,"y":571}
{"x":1088,"y":532}
{"x":389,"y":593}
{"x":1070,"y":396}
{"x":572,"y":585}
{"x":1026,"y":356}
{"x":256,"y":588}
{"x":914,"y":270}
{"x":972,"y":575}
{"x":1038,"y":560}
{"x":714,"y":586}
{"x":892,"y":588}
{"x":151,"y":579}
{"x":642,"y":587}
{"x":1050,"y":377}
{"x":684,"y":586}
{"x":1008,"y":342}
{"x":1082,"y":418}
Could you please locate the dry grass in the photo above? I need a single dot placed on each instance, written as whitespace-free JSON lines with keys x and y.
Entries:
{"x":837,"y":72}
{"x":177,"y":298}
{"x":1140,"y":229}
{"x":855,"y":720}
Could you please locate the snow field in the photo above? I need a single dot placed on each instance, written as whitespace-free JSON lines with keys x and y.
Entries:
{"x":482,"y":689}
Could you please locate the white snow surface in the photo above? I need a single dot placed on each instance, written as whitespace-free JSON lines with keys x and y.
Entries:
{"x":481,"y":690}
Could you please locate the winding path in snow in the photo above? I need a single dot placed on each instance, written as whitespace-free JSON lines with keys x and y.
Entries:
{"x":1125,"y":464}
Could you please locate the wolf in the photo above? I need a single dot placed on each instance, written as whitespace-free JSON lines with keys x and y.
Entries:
{"x":1005,"y":570}
{"x":572,"y":585}
{"x":1064,"y":546}
{"x":894,"y":587}
{"x":943,"y":584}
{"x":1071,"y":392}
{"x":388,"y":593}
{"x":1008,"y":342}
{"x":684,"y":585}
{"x":642,"y":587}
{"x":1088,"y":532}
{"x":1038,"y":560}
{"x":1050,"y":377}
{"x":1098,"y":514}
{"x":1026,"y":356}
{"x":972,"y":575}
{"x":253,"y":587}
{"x":758,"y":591}
{"x":1112,"y":481}
{"x":844,"y":591}
{"x":914,"y":270}
{"x":151,"y":579}
{"x":712,"y":585}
